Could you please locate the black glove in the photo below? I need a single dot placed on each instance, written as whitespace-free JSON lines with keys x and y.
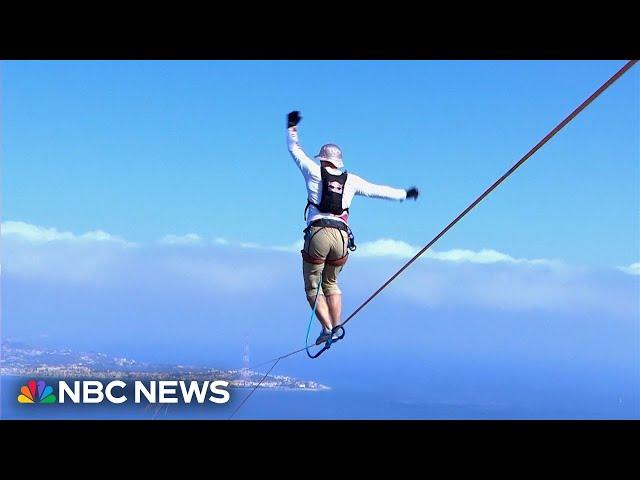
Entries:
{"x":293,"y":118}
{"x":412,"y":193}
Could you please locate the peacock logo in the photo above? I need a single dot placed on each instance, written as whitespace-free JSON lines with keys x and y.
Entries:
{"x":44,"y":393}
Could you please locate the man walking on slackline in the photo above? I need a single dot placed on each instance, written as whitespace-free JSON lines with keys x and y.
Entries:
{"x":328,"y":238}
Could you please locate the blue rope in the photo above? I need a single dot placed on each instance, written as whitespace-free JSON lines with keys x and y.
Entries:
{"x":313,"y":313}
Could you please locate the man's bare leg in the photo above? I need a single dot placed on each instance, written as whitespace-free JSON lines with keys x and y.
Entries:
{"x":322,"y":311}
{"x":334,"y":302}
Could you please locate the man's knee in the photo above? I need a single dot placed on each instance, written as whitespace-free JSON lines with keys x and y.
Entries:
{"x":312,"y":291}
{"x":331,"y":289}
{"x":312,"y":274}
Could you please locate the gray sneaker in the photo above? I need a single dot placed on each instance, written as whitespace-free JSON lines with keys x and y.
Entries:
{"x":324,"y":336}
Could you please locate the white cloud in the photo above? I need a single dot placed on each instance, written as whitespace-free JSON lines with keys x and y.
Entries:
{"x":188,"y":239}
{"x":251,"y":245}
{"x":484,"y":278}
{"x":37,"y":234}
{"x":481,"y":256}
{"x":633,"y":269}
{"x":499,"y":287}
{"x":294,"y":247}
{"x":398,"y":249}
{"x":381,"y":248}
{"x":386,"y":247}
{"x":389,"y":248}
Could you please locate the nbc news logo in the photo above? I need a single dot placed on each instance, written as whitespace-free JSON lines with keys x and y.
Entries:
{"x":43,"y":393}
{"x":93,"y":391}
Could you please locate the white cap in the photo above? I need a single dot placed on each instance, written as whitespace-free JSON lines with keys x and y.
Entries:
{"x":331,"y":153}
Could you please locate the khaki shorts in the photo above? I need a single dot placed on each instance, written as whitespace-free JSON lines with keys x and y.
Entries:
{"x":325,"y":243}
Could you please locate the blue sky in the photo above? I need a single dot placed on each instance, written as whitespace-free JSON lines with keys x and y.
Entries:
{"x":134,"y":222}
{"x":145,"y":149}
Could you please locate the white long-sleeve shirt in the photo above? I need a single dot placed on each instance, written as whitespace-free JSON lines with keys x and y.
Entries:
{"x":353,"y":186}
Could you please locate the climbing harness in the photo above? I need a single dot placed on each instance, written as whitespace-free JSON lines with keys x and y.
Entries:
{"x":473,"y":204}
{"x":328,"y":223}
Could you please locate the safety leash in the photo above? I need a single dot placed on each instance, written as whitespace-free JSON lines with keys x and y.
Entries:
{"x":313,"y":314}
{"x":329,"y":342}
